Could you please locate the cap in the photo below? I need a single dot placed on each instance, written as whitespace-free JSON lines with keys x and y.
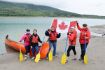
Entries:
{"x":27,"y":30}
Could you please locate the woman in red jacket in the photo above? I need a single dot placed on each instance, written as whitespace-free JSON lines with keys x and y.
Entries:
{"x":72,"y":36}
{"x":84,"y":39}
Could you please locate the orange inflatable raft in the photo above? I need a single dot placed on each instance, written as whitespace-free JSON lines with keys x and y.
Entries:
{"x":15,"y":45}
{"x":44,"y":50}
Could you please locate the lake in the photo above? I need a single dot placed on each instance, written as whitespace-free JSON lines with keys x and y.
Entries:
{"x":15,"y":26}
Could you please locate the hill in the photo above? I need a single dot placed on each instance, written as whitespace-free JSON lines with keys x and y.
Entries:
{"x":23,"y":9}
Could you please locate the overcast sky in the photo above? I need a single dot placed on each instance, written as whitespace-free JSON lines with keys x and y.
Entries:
{"x":92,"y":7}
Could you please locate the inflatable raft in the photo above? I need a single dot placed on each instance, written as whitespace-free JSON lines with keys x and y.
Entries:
{"x":14,"y":45}
{"x":44,"y":50}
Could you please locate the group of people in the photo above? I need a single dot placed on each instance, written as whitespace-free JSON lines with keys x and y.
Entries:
{"x":31,"y":41}
{"x":83,"y":40}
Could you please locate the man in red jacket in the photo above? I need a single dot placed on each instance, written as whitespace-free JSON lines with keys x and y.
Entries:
{"x":53,"y":35}
{"x":84,"y":39}
{"x":72,"y":36}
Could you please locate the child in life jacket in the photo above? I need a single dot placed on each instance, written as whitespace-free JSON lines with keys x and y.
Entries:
{"x":72,"y":36}
{"x":35,"y":39}
{"x":26,"y":39}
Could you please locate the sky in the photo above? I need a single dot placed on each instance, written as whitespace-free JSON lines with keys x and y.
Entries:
{"x":90,"y":7}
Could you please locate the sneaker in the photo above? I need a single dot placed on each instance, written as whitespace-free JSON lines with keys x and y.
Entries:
{"x":74,"y":59}
{"x":46,"y":58}
{"x":67,"y":61}
{"x":33,"y":58}
{"x":55,"y":55}
{"x":25,"y":58}
{"x":26,"y":55}
{"x":80,"y":59}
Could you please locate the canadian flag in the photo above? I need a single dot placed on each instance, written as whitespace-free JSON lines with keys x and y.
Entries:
{"x":62,"y":26}
{"x":73,"y":23}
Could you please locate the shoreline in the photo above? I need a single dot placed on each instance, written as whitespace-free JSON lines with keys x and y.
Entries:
{"x":47,"y":17}
{"x":95,"y":54}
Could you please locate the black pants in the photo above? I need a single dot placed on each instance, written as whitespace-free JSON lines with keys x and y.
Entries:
{"x":83,"y":50}
{"x":27,"y":49}
{"x":69,"y":49}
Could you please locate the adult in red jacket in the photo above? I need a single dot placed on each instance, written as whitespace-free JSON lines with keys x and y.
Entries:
{"x":53,"y":35}
{"x":84,"y":39}
{"x":72,"y":36}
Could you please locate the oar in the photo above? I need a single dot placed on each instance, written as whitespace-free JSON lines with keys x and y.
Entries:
{"x":64,"y":57}
{"x":50,"y":56}
{"x":37,"y":58}
{"x":85,"y":56}
{"x":38,"y":55}
{"x":21,"y":56}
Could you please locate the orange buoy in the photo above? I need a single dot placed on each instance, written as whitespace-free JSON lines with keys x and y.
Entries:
{"x":44,"y":50}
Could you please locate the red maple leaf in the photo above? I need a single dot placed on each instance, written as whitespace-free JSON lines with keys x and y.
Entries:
{"x":73,"y":23}
{"x":62,"y":26}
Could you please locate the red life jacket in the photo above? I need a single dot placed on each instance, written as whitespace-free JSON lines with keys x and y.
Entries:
{"x":53,"y":36}
{"x":83,"y":34}
{"x":27,"y":38}
{"x":35,"y":39}
{"x":72,"y":38}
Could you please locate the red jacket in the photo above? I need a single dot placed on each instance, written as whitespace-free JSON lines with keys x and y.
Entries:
{"x":53,"y":35}
{"x":26,"y":39}
{"x":72,"y":38}
{"x":84,"y":35}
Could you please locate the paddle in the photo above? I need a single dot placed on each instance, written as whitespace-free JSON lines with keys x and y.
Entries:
{"x":64,"y":57}
{"x":50,"y":56}
{"x":38,"y":55}
{"x":37,"y":58}
{"x":21,"y":56}
{"x":85,"y":56}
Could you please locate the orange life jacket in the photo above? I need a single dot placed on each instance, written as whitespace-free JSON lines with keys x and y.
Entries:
{"x":53,"y":36}
{"x":35,"y":39}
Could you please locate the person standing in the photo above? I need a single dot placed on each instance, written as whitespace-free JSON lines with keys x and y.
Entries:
{"x":72,"y":36}
{"x":83,"y":39}
{"x":34,"y":40}
{"x":26,"y":39}
{"x":53,"y":35}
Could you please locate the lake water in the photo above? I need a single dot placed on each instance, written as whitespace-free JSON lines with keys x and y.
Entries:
{"x":15,"y":26}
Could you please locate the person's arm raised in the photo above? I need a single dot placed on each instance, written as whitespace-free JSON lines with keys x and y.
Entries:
{"x":78,"y":26}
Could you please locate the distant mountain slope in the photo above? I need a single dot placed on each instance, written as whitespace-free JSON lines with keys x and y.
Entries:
{"x":22,"y":9}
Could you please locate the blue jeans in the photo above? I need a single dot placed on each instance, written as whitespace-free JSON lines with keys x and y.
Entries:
{"x":53,"y":44}
{"x":27,"y":49}
{"x":83,"y":50}
{"x":35,"y":49}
